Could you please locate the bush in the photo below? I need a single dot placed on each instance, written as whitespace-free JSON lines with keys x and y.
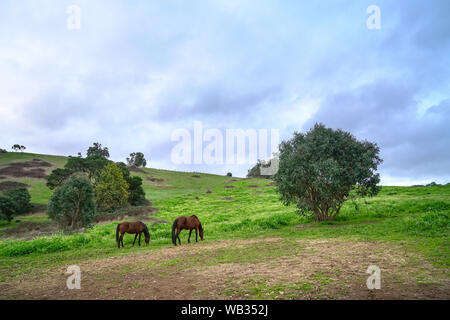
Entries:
{"x":21,"y":199}
{"x":136,"y":194}
{"x":111,"y":191}
{"x":7,"y":208}
{"x":229,"y":174}
{"x":3,"y":150}
{"x":72,"y":204}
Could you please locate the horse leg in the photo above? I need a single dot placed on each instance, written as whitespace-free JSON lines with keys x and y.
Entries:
{"x":189,"y":239}
{"x":121,"y":239}
{"x":178,"y":236}
{"x":139,"y":239}
{"x":135,"y":236}
{"x":196,"y":234}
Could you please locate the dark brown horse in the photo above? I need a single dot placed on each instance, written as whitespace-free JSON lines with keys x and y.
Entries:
{"x":133,"y":228}
{"x":188,"y":223}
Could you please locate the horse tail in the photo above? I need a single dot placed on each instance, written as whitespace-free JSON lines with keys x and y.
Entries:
{"x":174,"y":226}
{"x":117,"y":232}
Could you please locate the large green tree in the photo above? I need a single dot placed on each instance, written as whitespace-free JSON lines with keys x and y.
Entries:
{"x":321,"y":169}
{"x":111,"y":190}
{"x":72,"y":204}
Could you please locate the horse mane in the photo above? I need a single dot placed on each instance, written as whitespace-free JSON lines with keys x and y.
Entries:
{"x":199,"y":223}
{"x":147,"y":234}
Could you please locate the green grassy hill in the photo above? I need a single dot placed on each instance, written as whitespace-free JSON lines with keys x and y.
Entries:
{"x":157,"y":184}
{"x":416,"y":217}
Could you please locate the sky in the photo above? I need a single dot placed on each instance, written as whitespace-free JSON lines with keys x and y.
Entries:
{"x":136,"y":72}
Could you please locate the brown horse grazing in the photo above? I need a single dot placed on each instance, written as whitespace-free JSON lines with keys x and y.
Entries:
{"x":132,"y":228}
{"x":188,"y":223}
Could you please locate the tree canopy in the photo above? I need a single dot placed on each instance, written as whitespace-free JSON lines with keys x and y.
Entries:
{"x":137,"y":159}
{"x":72,"y":204}
{"x":111,"y":191}
{"x":97,"y":151}
{"x":319,"y":169}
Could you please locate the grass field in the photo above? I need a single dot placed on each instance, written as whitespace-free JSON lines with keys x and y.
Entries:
{"x":254,"y":246}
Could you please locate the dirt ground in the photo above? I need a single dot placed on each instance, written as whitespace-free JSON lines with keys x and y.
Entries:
{"x":269,"y":268}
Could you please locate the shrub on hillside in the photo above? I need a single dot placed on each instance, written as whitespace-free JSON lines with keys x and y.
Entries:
{"x":136,"y":196}
{"x":21,"y":199}
{"x":72,"y":204}
{"x":3,"y":150}
{"x":136,"y":193}
{"x":229,"y":174}
{"x":111,"y":191}
{"x":7,"y":208}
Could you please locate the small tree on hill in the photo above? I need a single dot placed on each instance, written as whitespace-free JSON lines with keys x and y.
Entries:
{"x":111,"y":191}
{"x":3,"y":150}
{"x":7,"y":208}
{"x":137,"y":159}
{"x":97,"y":151}
{"x":18,"y":147}
{"x":72,"y":204}
{"x":319,"y":169}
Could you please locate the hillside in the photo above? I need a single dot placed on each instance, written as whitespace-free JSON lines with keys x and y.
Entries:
{"x":157,"y":184}
{"x":254,"y":246}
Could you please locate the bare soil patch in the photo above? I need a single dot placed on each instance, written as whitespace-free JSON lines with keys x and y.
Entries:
{"x":272,"y":184}
{"x":314,"y":269}
{"x":27,"y":230}
{"x":195,"y":176}
{"x":253,"y":186}
{"x":31,"y":169}
{"x":229,"y":187}
{"x":257,"y":192}
{"x":6,"y":185}
{"x":227,"y":198}
{"x":137,"y":170}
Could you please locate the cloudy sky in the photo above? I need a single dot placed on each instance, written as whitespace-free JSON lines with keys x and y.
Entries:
{"x":136,"y":71}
